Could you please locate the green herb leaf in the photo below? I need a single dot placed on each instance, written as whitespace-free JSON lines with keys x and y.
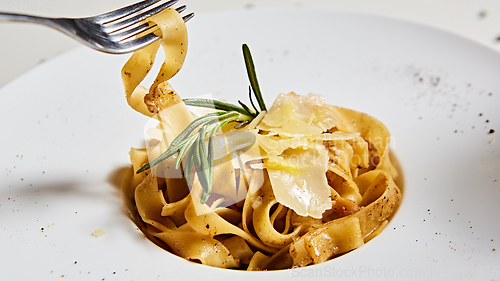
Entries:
{"x":202,"y":167}
{"x":215,"y":104}
{"x":250,"y":98}
{"x":185,"y":149}
{"x":252,"y":76}
{"x":247,"y":109}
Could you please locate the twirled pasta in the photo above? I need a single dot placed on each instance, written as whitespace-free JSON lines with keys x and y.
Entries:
{"x":317,"y":183}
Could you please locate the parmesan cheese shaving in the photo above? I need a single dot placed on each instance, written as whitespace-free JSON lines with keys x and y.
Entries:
{"x":296,"y":159}
{"x":299,"y":180}
{"x":294,"y":115}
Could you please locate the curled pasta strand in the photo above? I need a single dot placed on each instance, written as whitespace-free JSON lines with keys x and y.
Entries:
{"x":263,"y":225}
{"x":256,"y":182}
{"x":210,"y":223}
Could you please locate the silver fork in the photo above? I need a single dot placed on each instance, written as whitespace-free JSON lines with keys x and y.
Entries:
{"x":114,"y":32}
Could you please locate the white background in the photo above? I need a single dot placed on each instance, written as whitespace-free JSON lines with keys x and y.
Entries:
{"x":25,"y":45}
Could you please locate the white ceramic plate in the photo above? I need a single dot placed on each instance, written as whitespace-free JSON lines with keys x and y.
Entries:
{"x":66,"y":132}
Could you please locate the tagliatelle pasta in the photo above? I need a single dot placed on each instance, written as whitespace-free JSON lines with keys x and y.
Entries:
{"x":303,"y":183}
{"x":141,"y":62}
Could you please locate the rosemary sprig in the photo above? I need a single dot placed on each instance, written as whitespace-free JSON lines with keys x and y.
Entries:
{"x":193,"y":149}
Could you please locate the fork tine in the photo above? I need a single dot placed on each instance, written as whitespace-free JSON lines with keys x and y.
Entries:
{"x":188,"y":17}
{"x":113,"y":27}
{"x":135,"y":28}
{"x":122,"y":12}
{"x":136,"y":44}
{"x":181,"y":9}
{"x":143,"y":28}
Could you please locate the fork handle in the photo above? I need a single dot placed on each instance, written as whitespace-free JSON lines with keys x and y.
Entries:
{"x":51,"y":22}
{"x":61,"y":24}
{"x":5,"y":17}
